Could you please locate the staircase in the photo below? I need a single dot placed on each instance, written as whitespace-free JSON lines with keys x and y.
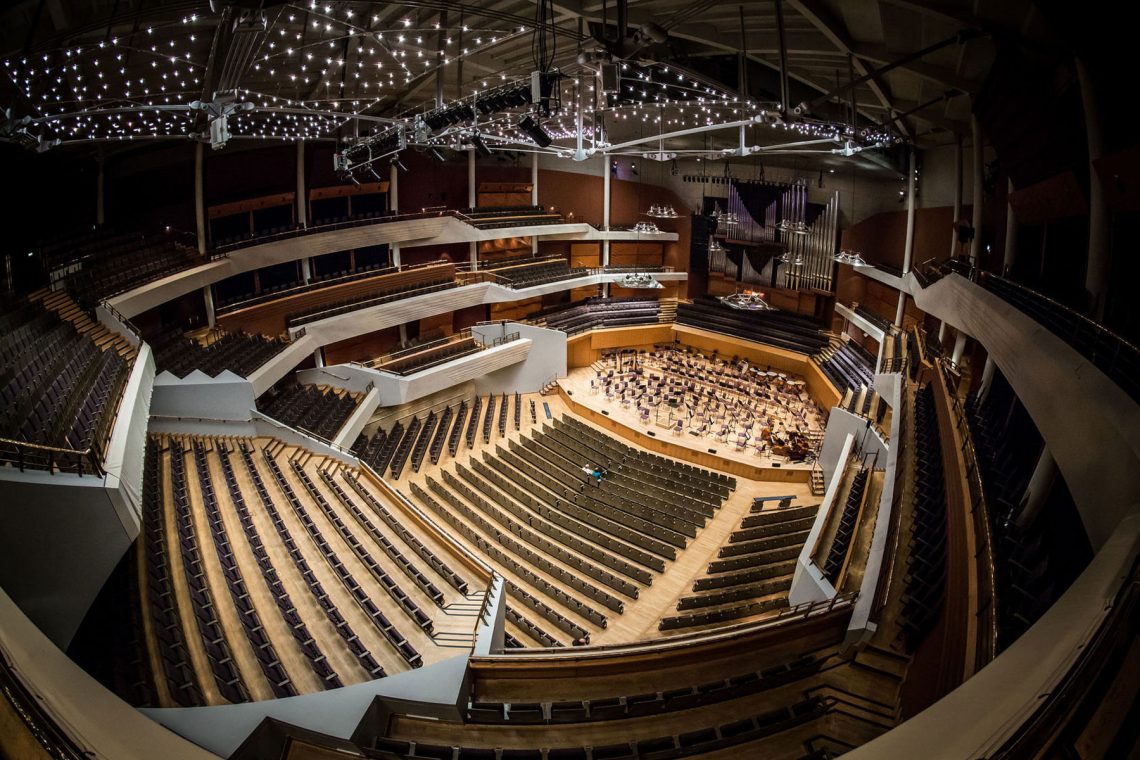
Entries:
{"x":816,"y":483}
{"x":668,"y":310}
{"x":550,"y":388}
{"x":455,"y":628}
{"x":69,"y":311}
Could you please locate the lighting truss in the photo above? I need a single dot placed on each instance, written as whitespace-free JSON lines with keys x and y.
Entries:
{"x":362,"y":155}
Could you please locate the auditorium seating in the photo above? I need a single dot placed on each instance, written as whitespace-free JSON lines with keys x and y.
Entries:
{"x":321,"y":412}
{"x":420,"y":358}
{"x":538,"y":274}
{"x":61,"y":380}
{"x":881,"y":322}
{"x":776,"y":328}
{"x":246,"y":300}
{"x":926,"y":577}
{"x":848,"y":523}
{"x":239,"y":353}
{"x":1111,"y":353}
{"x":406,"y":283}
{"x":101,"y":263}
{"x":594,"y":313}
{"x":491,"y":218}
{"x":848,"y":365}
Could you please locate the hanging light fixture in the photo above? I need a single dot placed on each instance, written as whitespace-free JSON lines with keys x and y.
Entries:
{"x":748,"y":300}
{"x":792,"y":260}
{"x":647,"y":228}
{"x":662,"y":212}
{"x":716,"y":247}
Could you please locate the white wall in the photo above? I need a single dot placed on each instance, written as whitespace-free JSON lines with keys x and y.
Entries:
{"x":225,"y":397}
{"x":545,"y":361}
{"x":808,"y":583}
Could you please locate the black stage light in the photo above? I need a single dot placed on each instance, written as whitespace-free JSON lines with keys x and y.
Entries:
{"x":534,"y":131}
{"x":480,"y":147}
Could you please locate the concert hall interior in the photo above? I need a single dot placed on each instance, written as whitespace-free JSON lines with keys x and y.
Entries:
{"x":567,"y":380}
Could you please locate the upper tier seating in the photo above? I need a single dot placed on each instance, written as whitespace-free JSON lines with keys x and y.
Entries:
{"x":1111,"y":353}
{"x":403,"y":284}
{"x":600,"y":312}
{"x":538,"y":274}
{"x":307,"y":408}
{"x":424,"y":357}
{"x":848,"y":366}
{"x":775,"y":328}
{"x":491,"y":218}
{"x":237,"y":352}
{"x":60,"y":384}
{"x":882,"y":323}
{"x":340,"y":278}
{"x":105,"y":262}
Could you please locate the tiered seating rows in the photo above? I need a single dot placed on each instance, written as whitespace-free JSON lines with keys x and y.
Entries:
{"x":58,"y":388}
{"x":845,"y":531}
{"x":311,"y":409}
{"x":925,"y":582}
{"x":404,"y":449}
{"x":849,"y":367}
{"x":600,"y":312}
{"x":776,"y":328}
{"x":165,"y":620}
{"x":229,"y":681}
{"x":541,"y":274}
{"x":456,"y":430}
{"x":378,"y":618}
{"x":301,"y":635}
{"x":342,"y":627}
{"x":441,"y":435}
{"x":500,"y":556}
{"x":237,"y":352}
{"x":404,"y":284}
{"x":430,"y":357}
{"x":316,"y":283}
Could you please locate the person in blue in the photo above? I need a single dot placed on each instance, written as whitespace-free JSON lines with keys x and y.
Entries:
{"x":596,"y":472}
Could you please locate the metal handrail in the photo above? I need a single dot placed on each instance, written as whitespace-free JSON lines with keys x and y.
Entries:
{"x":53,"y":454}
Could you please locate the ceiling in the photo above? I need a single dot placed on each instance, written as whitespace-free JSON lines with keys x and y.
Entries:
{"x":102,"y":71}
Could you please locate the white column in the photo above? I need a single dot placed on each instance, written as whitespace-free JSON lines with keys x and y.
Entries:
{"x":879,"y":360}
{"x":393,"y":189}
{"x":534,"y":196}
{"x":908,"y":248}
{"x":1038,"y":489}
{"x":988,"y":370}
{"x":302,"y":205}
{"x":1010,"y":233}
{"x":959,"y":347}
{"x":394,"y":249}
{"x":100,"y":216}
{"x":208,"y":299}
{"x":403,"y":333}
{"x":471,"y":178}
{"x":306,"y":270}
{"x":942,"y":333}
{"x":607,"y":170}
{"x":976,"y":244}
{"x":900,"y":311}
{"x":199,"y":199}
{"x":957,"y":193}
{"x":319,"y":356}
{"x":1096,"y":273}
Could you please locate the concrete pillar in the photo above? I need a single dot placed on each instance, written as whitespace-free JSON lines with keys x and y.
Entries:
{"x":879,"y":359}
{"x":959,"y":347}
{"x":471,"y":178}
{"x":942,"y":333}
{"x":306,"y":270}
{"x":988,"y":370}
{"x":900,"y":312}
{"x":1040,"y":483}
{"x":957,"y":193}
{"x":908,"y":248}
{"x":319,"y":356}
{"x":534,"y":196}
{"x":1096,"y":273}
{"x":199,"y":198}
{"x":393,"y":189}
{"x":100,"y":216}
{"x":208,"y":298}
{"x":976,"y":244}
{"x":403,"y":333}
{"x":1010,"y":233}
{"x":302,"y":200}
{"x":394,"y":250}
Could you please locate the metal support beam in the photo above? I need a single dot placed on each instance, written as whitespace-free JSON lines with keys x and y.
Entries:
{"x":908,"y":247}
{"x":393,"y":189}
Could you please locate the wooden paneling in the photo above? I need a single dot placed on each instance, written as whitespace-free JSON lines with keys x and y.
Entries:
{"x":585,"y":254}
{"x":251,"y":204}
{"x":341,"y":191}
{"x":362,"y":347}
{"x":515,"y":309}
{"x":441,"y":322}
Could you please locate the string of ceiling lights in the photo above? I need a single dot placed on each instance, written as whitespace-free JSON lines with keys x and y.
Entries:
{"x":317,"y":68}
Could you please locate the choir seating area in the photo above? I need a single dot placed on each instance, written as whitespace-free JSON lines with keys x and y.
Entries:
{"x":775,"y":328}
{"x":600,"y":312}
{"x":266,"y":571}
{"x":311,"y":409}
{"x":847,"y":365}
{"x":213,"y":353}
{"x":723,"y":400}
{"x":61,"y":382}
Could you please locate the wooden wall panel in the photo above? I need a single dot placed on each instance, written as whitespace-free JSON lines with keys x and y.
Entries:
{"x":362,"y":347}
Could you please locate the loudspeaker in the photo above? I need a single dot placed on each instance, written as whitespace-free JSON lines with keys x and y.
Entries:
{"x":608,"y":74}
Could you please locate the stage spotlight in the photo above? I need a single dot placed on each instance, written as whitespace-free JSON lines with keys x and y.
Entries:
{"x":480,"y":147}
{"x":535,"y":132}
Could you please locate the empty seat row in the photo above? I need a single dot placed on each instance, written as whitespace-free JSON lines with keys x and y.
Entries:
{"x":310,"y":409}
